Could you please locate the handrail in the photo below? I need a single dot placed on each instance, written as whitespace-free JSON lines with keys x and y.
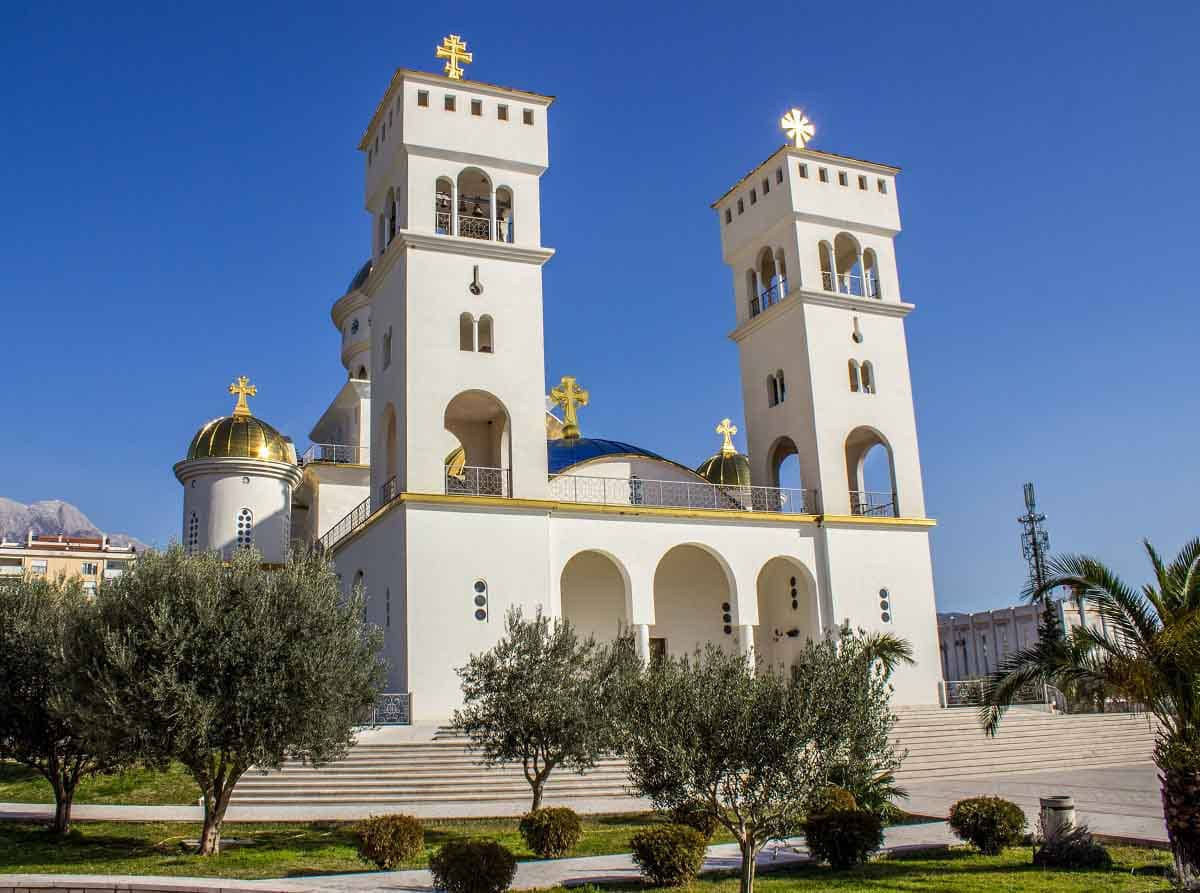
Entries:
{"x":682,"y":494}
{"x":339,"y":453}
{"x":873,"y":504}
{"x":343,"y":528}
{"x":477,"y":480}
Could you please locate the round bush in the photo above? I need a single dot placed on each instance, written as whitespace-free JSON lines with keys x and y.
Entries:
{"x":832,"y":798}
{"x":668,"y":855}
{"x":389,"y":840}
{"x":988,"y":823}
{"x":696,"y":815}
{"x":473,"y":866}
{"x":843,"y":837}
{"x":551,"y":833}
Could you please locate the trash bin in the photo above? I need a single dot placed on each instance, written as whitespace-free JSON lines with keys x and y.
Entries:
{"x":1058,"y":815}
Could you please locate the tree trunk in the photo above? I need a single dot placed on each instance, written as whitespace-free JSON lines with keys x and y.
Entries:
{"x":1181,"y":809}
{"x":62,"y":809}
{"x":216,"y":801}
{"x":538,"y":784}
{"x":749,"y":864}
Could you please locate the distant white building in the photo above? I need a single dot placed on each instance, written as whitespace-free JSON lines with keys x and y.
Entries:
{"x":973,"y":645}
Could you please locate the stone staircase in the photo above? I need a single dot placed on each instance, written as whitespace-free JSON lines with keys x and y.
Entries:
{"x":428,"y":771}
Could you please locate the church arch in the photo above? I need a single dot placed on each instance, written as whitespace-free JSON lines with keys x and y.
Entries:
{"x":871,"y":474}
{"x":695,"y":601}
{"x":855,"y":377}
{"x":788,"y":611}
{"x":847,"y":255}
{"x":825,"y":255}
{"x":871,"y":273}
{"x":483,"y":428}
{"x":768,"y":276}
{"x":596,"y":594}
{"x":783,"y":464}
{"x":505,"y":215}
{"x":466,"y":331}
{"x":361,"y":373}
{"x":486,"y":334}
{"x":474,"y":204}
{"x":443,"y":206}
{"x":868,"y":377}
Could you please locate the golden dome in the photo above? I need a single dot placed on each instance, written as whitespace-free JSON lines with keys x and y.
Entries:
{"x":241,"y":435}
{"x":728,"y":468}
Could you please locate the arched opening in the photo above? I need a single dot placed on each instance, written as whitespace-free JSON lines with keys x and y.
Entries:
{"x":389,"y":427}
{"x":693,"y":603}
{"x":481,"y":424}
{"x":855,"y":379}
{"x":871,"y":271}
{"x":780,"y":386}
{"x":769,"y":279}
{"x":781,"y":268}
{"x":772,"y":391}
{"x":868,"y":377}
{"x":788,"y":614}
{"x":871,"y":474}
{"x":505,"y":222}
{"x":474,"y":204}
{"x":783,"y":464}
{"x":826,"y":258}
{"x":466,"y":331}
{"x":486,"y":335}
{"x":595,"y":592}
{"x":848,"y":256}
{"x":443,"y":204}
{"x":361,"y":373}
{"x":390,"y":214}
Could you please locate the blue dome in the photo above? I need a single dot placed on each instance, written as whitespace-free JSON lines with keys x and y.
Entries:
{"x":564,"y":453}
{"x":361,"y":276}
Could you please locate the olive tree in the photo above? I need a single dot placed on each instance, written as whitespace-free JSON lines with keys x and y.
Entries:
{"x":37,"y":725}
{"x":543,"y":697}
{"x":225,"y":666}
{"x":753,"y":745}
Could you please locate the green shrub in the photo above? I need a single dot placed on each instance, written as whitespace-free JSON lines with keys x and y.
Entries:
{"x":668,"y":855}
{"x":988,"y":823}
{"x":843,"y":837}
{"x":551,"y":833}
{"x":389,"y":840}
{"x":832,"y":798}
{"x":473,"y":866}
{"x":698,"y":815}
{"x":1073,"y":848}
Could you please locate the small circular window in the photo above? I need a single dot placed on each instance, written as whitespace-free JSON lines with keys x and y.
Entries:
{"x":354,"y":327}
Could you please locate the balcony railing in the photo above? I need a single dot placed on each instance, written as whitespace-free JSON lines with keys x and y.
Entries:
{"x":479,"y":481}
{"x":851,"y":284}
{"x":343,"y":528}
{"x":768,"y":298}
{"x":873,"y":504}
{"x":388,"y":491}
{"x":681,"y":494}
{"x":969,"y":693}
{"x":337,"y":452}
{"x":474,"y":227}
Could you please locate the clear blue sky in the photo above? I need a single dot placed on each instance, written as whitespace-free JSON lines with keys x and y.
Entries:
{"x":182,"y":201}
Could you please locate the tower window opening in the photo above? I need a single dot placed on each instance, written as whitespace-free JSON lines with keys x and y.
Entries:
{"x":772,"y":391}
{"x":848,"y":258}
{"x":245,"y":529}
{"x":477,"y":107}
{"x":741,"y":206}
{"x":502,"y":112}
{"x":781,"y":385}
{"x":486,"y":343}
{"x":843,"y":180}
{"x":448,"y":102}
{"x":825,"y":253}
{"x":855,"y":378}
{"x":505,"y":219}
{"x":804,"y":170}
{"x":862,"y":182}
{"x":870,"y":265}
{"x":778,"y":175}
{"x":753,"y":197}
{"x":728,"y":216}
{"x":823,"y":174}
{"x":527,"y":116}
{"x":443,"y":200}
{"x":423,"y":98}
{"x":474,"y":205}
{"x":766,"y":185}
{"x":466,"y":332}
{"x":868,"y":378}
{"x":881,"y":185}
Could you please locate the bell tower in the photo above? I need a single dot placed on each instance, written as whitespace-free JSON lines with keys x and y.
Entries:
{"x":810,"y":238}
{"x":453,"y":171}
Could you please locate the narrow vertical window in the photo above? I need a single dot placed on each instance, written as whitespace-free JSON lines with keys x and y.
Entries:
{"x":854,"y":376}
{"x":862,"y":182}
{"x":486,"y":335}
{"x":245,"y":529}
{"x":823,"y":174}
{"x":387,"y":347}
{"x":766,"y":185}
{"x":804,"y":170}
{"x":448,"y":102}
{"x":477,"y":107}
{"x":423,"y":98}
{"x":843,"y":180}
{"x":527,"y":116}
{"x":782,"y":386}
{"x":753,"y":197}
{"x":466,"y":332}
{"x":772,"y":391}
{"x":502,"y":112}
{"x":881,"y":185}
{"x":778,"y":175}
{"x":728,"y":216}
{"x":868,"y":378}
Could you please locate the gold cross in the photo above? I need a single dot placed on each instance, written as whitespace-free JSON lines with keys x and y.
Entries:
{"x":454,"y":50}
{"x":798,"y":128}
{"x":569,"y":395}
{"x":243,"y":389}
{"x":728,"y":430}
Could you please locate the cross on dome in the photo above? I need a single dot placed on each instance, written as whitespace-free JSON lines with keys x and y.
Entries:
{"x":569,"y":395}
{"x":798,"y":128}
{"x":728,"y":429}
{"x":243,"y":389}
{"x":454,"y":50}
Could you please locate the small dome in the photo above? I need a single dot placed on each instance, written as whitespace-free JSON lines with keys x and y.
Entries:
{"x":726,"y":469}
{"x":361,"y":276}
{"x":241,"y":435}
{"x":566,"y":452}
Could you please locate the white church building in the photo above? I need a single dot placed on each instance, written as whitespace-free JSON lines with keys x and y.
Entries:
{"x":452,"y":484}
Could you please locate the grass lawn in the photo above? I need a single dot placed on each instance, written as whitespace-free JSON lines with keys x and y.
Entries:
{"x":279,"y":850}
{"x":139,"y":787}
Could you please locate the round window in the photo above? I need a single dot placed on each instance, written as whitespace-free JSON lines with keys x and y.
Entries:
{"x":480,"y":586}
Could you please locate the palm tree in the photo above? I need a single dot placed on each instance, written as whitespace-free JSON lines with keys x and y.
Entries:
{"x":1147,"y":650}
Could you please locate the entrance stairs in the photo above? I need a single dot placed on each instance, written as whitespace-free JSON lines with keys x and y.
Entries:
{"x":428,"y":770}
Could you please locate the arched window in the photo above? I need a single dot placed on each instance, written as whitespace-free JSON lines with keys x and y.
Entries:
{"x":192,"y":538}
{"x":361,"y":375}
{"x":781,"y":268}
{"x":871,"y":271}
{"x":443,"y":203}
{"x":772,"y":391}
{"x":486,"y":342}
{"x":826,"y":256}
{"x":871,"y":474}
{"x":466,"y":332}
{"x":358,"y":580}
{"x":474,"y":204}
{"x":847,"y":255}
{"x":855,"y":381}
{"x":768,"y":279}
{"x":782,"y":387}
{"x":505,"y":224}
{"x":245,"y":529}
{"x":868,"y":377}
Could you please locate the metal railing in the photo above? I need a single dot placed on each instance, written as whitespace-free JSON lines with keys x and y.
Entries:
{"x":474,"y":227}
{"x":969,"y":693}
{"x":681,"y":494}
{"x":441,"y":223}
{"x":473,"y":480}
{"x":392,"y":708}
{"x":874,"y":289}
{"x":337,"y":452}
{"x":343,"y":528}
{"x":768,"y":298}
{"x":849,"y":284}
{"x":388,"y":491}
{"x":873,"y":505}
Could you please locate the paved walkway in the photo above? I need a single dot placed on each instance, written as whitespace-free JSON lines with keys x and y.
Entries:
{"x":530,"y":875}
{"x":1117,"y":801}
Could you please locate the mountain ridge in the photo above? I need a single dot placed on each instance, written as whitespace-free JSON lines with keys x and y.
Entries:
{"x":53,"y":517}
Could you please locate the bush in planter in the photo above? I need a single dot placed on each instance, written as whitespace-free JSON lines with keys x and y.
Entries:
{"x":988,"y":823}
{"x":843,"y":837}
{"x":696,"y":814}
{"x":389,"y":840}
{"x":1072,"y":848}
{"x":473,"y":866}
{"x":669,"y":855}
{"x":551,"y":833}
